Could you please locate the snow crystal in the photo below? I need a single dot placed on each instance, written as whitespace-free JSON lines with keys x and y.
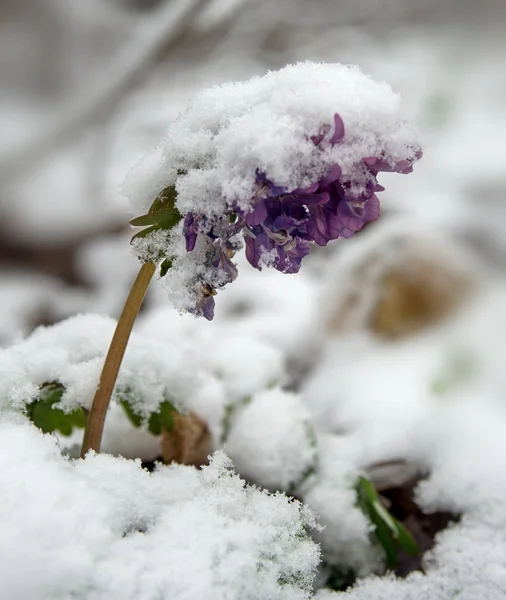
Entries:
{"x":105,"y":528}
{"x":272,"y":442}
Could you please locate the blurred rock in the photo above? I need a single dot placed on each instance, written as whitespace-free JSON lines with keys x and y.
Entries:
{"x":189,"y":442}
{"x":402,"y":285}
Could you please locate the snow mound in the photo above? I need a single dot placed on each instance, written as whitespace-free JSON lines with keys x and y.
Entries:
{"x":272,"y":441}
{"x":105,"y":528}
{"x":72,"y":353}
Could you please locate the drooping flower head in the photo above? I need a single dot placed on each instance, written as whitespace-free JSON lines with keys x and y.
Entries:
{"x":275,"y":164}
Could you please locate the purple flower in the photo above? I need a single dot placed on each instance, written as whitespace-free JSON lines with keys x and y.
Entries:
{"x":279,"y":225}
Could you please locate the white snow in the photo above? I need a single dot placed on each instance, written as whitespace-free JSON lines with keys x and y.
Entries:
{"x":231,"y":368}
{"x":105,"y":528}
{"x":272,"y":441}
{"x":466,"y":447}
{"x":163,"y":361}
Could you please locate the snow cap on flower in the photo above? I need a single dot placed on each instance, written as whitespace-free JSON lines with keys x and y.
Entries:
{"x":275,"y":163}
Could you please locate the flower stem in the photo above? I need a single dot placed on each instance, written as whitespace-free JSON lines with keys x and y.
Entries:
{"x":96,"y":416}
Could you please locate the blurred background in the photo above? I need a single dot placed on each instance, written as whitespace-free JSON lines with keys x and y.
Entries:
{"x":89,"y":87}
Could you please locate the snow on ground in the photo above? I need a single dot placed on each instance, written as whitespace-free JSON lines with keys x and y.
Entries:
{"x":464,"y":449}
{"x":105,"y":528}
{"x":272,"y":441}
{"x":437,"y":401}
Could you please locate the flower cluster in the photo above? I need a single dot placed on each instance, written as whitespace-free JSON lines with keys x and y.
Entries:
{"x":263,"y":164}
{"x":279,"y":225}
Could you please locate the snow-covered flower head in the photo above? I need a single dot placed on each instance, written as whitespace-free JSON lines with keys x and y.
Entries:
{"x":275,"y":163}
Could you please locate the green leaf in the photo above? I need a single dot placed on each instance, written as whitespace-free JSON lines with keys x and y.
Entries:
{"x":389,"y":532}
{"x":159,"y":421}
{"x":162,"y":214}
{"x":165,"y":266}
{"x":164,"y":218}
{"x":366,"y":490}
{"x":165,"y":199}
{"x":383,"y":536}
{"x":48,"y":417}
{"x":163,"y":420}
{"x":382,"y":515}
{"x":135,"y":419}
{"x":406,"y":541}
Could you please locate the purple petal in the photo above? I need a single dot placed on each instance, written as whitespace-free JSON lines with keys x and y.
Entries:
{"x":333,"y":175}
{"x":297,"y":212}
{"x":317,"y":139}
{"x":375,"y":165}
{"x":207,"y":308}
{"x":323,"y":226}
{"x":255,"y":246}
{"x":283,"y":222}
{"x":258,"y":214}
{"x":338,"y":134}
{"x":274,"y":208}
{"x":190,"y":231}
{"x":352,"y":219}
{"x":274,"y":190}
{"x":309,"y":190}
{"x":370,"y":161}
{"x":290,"y":260}
{"x":224,"y":263}
{"x":309,"y":199}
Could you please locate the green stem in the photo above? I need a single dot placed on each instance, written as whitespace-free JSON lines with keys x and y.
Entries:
{"x":96,"y":416}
